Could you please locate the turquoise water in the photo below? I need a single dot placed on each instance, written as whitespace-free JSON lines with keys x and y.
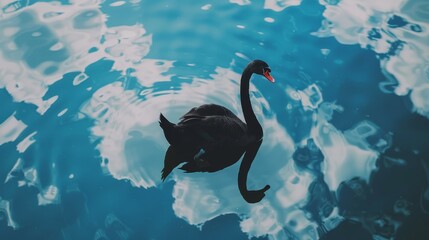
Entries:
{"x":82,"y":84}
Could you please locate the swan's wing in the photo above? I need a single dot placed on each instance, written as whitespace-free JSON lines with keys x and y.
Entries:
{"x":215,"y":130}
{"x":208,"y":110}
{"x":213,"y":122}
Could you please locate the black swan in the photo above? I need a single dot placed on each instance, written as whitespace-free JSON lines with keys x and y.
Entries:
{"x":210,"y":137}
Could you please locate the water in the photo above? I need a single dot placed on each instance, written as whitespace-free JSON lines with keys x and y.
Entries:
{"x":82,"y":84}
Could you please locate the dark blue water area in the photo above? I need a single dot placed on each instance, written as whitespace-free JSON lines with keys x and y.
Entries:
{"x":94,"y":205}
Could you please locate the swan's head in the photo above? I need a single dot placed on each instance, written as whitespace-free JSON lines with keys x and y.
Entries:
{"x":260,"y":67}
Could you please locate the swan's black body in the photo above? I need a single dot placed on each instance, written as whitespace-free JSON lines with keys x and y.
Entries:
{"x":210,"y":137}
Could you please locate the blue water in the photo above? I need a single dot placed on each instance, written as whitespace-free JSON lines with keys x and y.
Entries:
{"x":346,"y":124}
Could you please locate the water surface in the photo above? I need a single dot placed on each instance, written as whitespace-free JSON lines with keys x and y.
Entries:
{"x":82,"y":84}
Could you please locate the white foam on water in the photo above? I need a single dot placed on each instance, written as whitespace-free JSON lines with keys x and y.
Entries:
{"x":275,"y":5}
{"x":406,"y":47}
{"x":241,"y":2}
{"x":420,"y":98}
{"x":26,"y":142}
{"x":50,"y":195}
{"x":127,"y":45}
{"x":147,"y":71}
{"x":280,"y":5}
{"x":117,"y":3}
{"x":347,"y":154}
{"x":79,"y":78}
{"x":5,"y":206}
{"x":269,"y":20}
{"x":27,"y":71}
{"x":206,"y":7}
{"x":311,"y":97}
{"x":128,"y":127}
{"x":76,"y":32}
{"x":262,"y":220}
{"x":10,"y":129}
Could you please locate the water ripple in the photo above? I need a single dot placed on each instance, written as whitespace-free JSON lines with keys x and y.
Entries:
{"x":397,"y":32}
{"x":84,"y":64}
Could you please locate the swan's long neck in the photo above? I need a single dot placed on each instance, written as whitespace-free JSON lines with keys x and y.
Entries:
{"x":252,"y":122}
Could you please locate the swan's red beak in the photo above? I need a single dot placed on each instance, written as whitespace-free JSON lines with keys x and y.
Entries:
{"x":268,"y":76}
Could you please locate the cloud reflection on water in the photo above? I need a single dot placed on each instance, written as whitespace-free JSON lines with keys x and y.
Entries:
{"x":133,"y":145}
{"x":125,"y":112}
{"x":397,"y":31}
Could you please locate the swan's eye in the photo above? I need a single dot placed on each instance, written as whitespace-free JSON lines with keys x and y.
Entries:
{"x":267,"y":70}
{"x":266,"y":73}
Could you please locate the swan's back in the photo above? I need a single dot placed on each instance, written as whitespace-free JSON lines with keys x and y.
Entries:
{"x":209,"y":110}
{"x":211,"y":124}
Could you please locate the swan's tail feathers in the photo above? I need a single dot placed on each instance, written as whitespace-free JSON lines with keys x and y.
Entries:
{"x":171,"y":161}
{"x":168,"y":128}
